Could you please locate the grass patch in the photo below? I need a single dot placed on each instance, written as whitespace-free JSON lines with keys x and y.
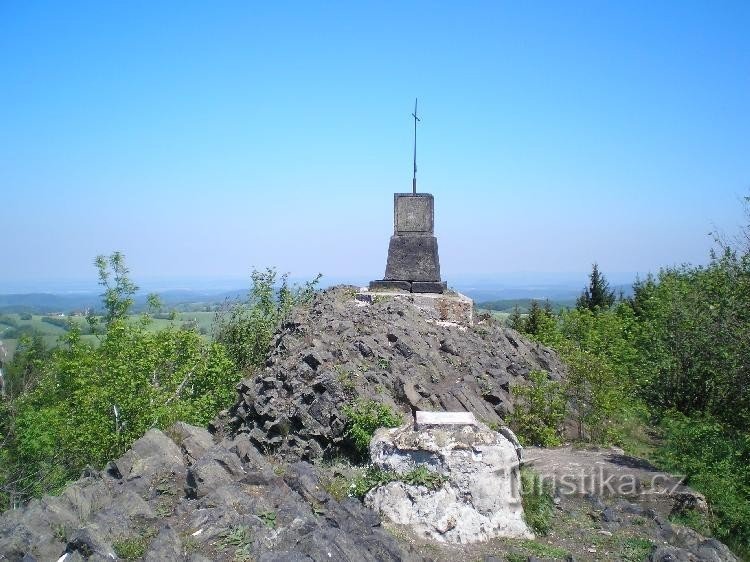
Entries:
{"x":363,"y":418}
{"x":240,"y":539}
{"x":635,"y":550}
{"x":695,"y":520}
{"x":358,"y":480}
{"x":528,"y":548}
{"x":134,"y":547}
{"x":536,"y":496}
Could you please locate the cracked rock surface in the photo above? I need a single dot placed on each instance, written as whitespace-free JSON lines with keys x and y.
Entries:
{"x":340,"y":349}
{"x":480,"y":498}
{"x":182,"y":497}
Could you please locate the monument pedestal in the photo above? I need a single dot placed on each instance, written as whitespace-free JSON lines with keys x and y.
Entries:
{"x":413,"y":264}
{"x":454,"y":308}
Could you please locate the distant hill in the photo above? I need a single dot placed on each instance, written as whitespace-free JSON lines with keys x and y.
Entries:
{"x":508,"y":305}
{"x":46,"y":303}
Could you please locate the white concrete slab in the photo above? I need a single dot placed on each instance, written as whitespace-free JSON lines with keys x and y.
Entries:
{"x":445,"y":418}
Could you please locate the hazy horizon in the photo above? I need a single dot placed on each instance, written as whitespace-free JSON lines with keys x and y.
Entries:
{"x":515,"y":282}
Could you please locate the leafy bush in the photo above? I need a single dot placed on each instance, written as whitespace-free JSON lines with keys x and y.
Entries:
{"x":536,"y":496}
{"x":246,"y":327}
{"x":88,"y":404}
{"x":694,"y":339}
{"x":364,"y":417}
{"x":539,"y":410}
{"x":714,"y":459}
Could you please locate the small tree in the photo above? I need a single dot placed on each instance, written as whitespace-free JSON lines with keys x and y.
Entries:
{"x":598,"y":294}
{"x":515,"y":320}
{"x":539,"y":410}
{"x":246,"y":328}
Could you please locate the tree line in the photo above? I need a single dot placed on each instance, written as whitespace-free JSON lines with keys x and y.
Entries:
{"x":665,"y":373}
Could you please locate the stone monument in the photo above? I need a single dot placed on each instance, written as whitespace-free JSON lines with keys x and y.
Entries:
{"x":413,"y":264}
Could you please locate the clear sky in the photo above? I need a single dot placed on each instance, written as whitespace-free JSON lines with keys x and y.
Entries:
{"x":202,"y":139}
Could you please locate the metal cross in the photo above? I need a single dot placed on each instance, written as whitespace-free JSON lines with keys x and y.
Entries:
{"x":414,"y":179}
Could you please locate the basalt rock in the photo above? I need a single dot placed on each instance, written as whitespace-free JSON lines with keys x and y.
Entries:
{"x":226,"y":503}
{"x":341,"y":349}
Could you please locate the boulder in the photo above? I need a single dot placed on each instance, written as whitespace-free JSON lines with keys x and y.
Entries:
{"x":479,"y":497}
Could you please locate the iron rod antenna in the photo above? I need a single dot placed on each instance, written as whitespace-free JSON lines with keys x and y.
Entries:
{"x":414,"y":177}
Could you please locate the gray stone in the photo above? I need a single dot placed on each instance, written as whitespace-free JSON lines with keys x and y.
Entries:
{"x":413,"y":213}
{"x":166,"y":546}
{"x":413,"y":258}
{"x":429,"y":287}
{"x":480,"y":498}
{"x":384,"y":285}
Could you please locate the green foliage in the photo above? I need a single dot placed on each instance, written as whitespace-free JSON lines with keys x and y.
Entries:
{"x":363,"y":418}
{"x":63,"y":323}
{"x":246,"y":328}
{"x":536,"y":496}
{"x":597,"y":296}
{"x":540,"y":549}
{"x":714,"y":459}
{"x":539,"y":410}
{"x":635,"y":549}
{"x":601,"y":356}
{"x":539,"y":321}
{"x":23,"y":371}
{"x":86,"y":405}
{"x":422,"y":476}
{"x":240,"y":539}
{"x":694,"y":339}
{"x":133,"y":548}
{"x":372,"y":477}
{"x":268,"y":518}
{"x":515,"y":320}
{"x":118,"y":288}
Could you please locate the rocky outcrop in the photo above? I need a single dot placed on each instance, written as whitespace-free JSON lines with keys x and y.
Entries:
{"x":180,"y":496}
{"x":480,"y":494}
{"x":340,"y":349}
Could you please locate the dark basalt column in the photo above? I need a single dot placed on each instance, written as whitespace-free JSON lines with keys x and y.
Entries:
{"x":413,"y":263}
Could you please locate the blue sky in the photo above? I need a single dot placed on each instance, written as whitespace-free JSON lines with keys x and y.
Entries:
{"x":202,"y":139}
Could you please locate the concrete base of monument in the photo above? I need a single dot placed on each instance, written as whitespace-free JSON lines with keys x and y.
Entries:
{"x":478,"y":495}
{"x":441,"y":307}
{"x":409,"y":286}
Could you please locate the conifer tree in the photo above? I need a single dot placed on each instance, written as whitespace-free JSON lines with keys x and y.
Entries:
{"x":515,"y":320}
{"x":597,"y":294}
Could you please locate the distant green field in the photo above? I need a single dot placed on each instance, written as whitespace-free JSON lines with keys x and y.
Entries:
{"x":508,"y":305}
{"x":502,"y":316}
{"x":11,"y":324}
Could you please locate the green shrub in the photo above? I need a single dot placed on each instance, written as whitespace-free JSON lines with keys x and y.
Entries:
{"x":363,"y":418}
{"x":134,"y":547}
{"x":714,"y":459}
{"x":246,"y":328}
{"x":539,"y":410}
{"x":89,"y":403}
{"x":635,"y":549}
{"x":538,"y":507}
{"x":373,"y":477}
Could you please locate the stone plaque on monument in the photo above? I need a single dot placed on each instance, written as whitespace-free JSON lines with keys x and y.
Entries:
{"x":413,"y":213}
{"x":413,"y":263}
